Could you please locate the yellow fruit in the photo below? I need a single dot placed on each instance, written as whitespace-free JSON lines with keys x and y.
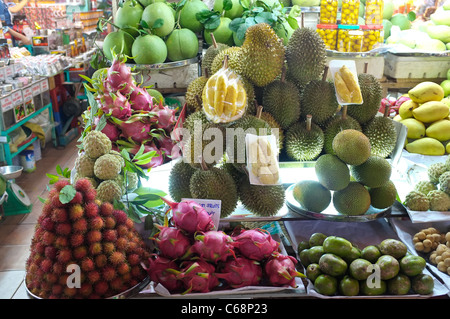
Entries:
{"x":352,"y":84}
{"x":426,"y":91}
{"x":431,"y":111}
{"x":342,"y":89}
{"x":439,"y":130}
{"x":405,"y":110}
{"x":224,"y":97}
{"x":416,"y":129}
{"x":426,"y":146}
{"x":397,"y":118}
{"x":447,"y":148}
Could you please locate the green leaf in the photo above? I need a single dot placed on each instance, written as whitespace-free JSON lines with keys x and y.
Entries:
{"x":42,"y":200}
{"x":265,"y":17}
{"x":411,"y":16}
{"x":158,"y":23}
{"x":240,"y":34}
{"x":204,"y":15}
{"x":146,"y":197}
{"x":66,"y":194}
{"x":227,"y":5}
{"x":148,"y":222}
{"x":293,"y":22}
{"x":53,"y":178}
{"x":101,"y":123}
{"x":149,"y":190}
{"x":213,"y":22}
{"x":144,"y":24}
{"x":235,"y":24}
{"x":59,"y":170}
{"x":245,"y":4}
{"x":295,"y":11}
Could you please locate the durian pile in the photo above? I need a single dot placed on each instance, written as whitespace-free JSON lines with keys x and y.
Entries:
{"x":103,"y":167}
{"x":298,"y":104}
{"x":432,"y":194}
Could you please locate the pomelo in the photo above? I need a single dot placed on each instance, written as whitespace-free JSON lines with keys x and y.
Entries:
{"x":146,"y":3}
{"x":387,"y":25}
{"x":149,"y":49}
{"x":181,"y":44}
{"x":129,"y":16}
{"x":235,"y":11}
{"x":188,"y":15}
{"x":388,"y":9}
{"x":401,"y":21}
{"x":119,"y":41}
{"x":156,"y":11}
{"x":222,"y":33}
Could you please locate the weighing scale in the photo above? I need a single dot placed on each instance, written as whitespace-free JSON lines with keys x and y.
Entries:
{"x":17,"y":201}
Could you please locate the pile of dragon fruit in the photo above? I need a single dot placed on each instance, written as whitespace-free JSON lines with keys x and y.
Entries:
{"x":193,"y":257}
{"x":132,"y":119}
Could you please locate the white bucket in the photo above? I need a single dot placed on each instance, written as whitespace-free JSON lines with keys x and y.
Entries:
{"x":27,"y":161}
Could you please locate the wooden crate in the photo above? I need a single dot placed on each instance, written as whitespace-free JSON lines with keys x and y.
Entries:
{"x":402,"y":67}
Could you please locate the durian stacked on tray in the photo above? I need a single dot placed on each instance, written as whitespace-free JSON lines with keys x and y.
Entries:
{"x":289,"y":83}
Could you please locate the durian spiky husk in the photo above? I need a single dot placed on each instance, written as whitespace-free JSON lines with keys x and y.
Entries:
{"x":372,"y":93}
{"x":209,"y":56}
{"x":303,"y":144}
{"x":193,"y":94}
{"x":382,"y":135}
{"x":263,"y":54}
{"x":234,"y":60}
{"x":305,"y":56}
{"x":274,"y":125}
{"x":319,"y":100}
{"x":179,"y":180}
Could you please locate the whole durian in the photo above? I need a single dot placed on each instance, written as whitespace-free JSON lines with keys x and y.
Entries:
{"x":209,"y":56}
{"x":319,"y":100}
{"x":263,"y":54}
{"x":234,"y":60}
{"x":439,"y":200}
{"x":417,"y":201}
{"x":305,"y":56}
{"x":338,"y":123}
{"x":382,"y":135}
{"x":215,"y":183}
{"x":107,"y":166}
{"x":193,"y":94}
{"x":179,"y":180}
{"x":196,"y":118}
{"x":274,"y":125}
{"x":384,"y":196}
{"x":109,"y":190}
{"x":304,"y":140}
{"x":96,"y":144}
{"x":84,"y":166}
{"x":372,"y":93}
{"x":435,"y":171}
{"x":261,"y":200}
{"x":282,"y":99}
{"x":425,"y":187}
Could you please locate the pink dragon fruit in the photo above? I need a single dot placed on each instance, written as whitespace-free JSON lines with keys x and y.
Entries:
{"x":157,"y":160}
{"x":197,"y":276}
{"x":240,"y":272}
{"x":280,"y":270}
{"x":168,"y":147}
{"x":164,"y":117}
{"x":172,"y":243}
{"x":136,"y":128}
{"x":119,"y":76}
{"x":190,"y":216}
{"x":116,"y":105}
{"x":255,"y":244}
{"x":213,"y":246}
{"x":111,"y":131}
{"x":141,"y":100}
{"x":158,"y":272}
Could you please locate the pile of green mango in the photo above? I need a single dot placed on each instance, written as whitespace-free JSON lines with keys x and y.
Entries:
{"x":335,"y":266}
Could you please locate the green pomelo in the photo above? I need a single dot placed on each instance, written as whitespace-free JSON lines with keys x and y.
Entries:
{"x":157,"y":11}
{"x":349,"y":286}
{"x":360,"y":269}
{"x":146,"y":3}
{"x":337,"y":245}
{"x":118,"y":41}
{"x":389,"y":267}
{"x":237,"y":42}
{"x":222,"y":33}
{"x":412,"y":265}
{"x":156,"y":95}
{"x":332,"y":265}
{"x":312,"y":196}
{"x":399,"y":285}
{"x":352,"y":200}
{"x":128,"y":16}
{"x":371,"y":253}
{"x":235,"y":11}
{"x":401,"y":21}
{"x":316,"y":239}
{"x":422,"y":284}
{"x":387,"y":26}
{"x":446,"y":86}
{"x":388,"y":9}
{"x":326,"y":285}
{"x":188,"y":13}
{"x":331,"y":172}
{"x":149,"y":49}
{"x":313,"y":271}
{"x":182,"y":44}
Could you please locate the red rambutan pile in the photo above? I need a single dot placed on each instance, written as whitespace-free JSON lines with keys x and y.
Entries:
{"x":92,"y":235}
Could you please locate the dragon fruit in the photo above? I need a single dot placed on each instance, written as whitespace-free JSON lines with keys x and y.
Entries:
{"x":213,"y":246}
{"x":168,"y":147}
{"x":158,"y":272}
{"x":164,"y":117}
{"x":137,"y":128}
{"x":172,"y":243}
{"x":141,"y":100}
{"x":119,"y":76}
{"x":240,"y":272}
{"x":197,"y":276}
{"x":280,"y":270}
{"x":115,"y":104}
{"x":255,"y":244}
{"x":111,"y":131}
{"x":190,"y":216}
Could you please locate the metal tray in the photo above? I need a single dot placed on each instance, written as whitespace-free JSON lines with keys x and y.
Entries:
{"x":123,"y":295}
{"x":164,"y":66}
{"x":330,"y":213}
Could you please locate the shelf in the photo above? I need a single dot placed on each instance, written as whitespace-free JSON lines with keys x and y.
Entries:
{"x":24,"y":146}
{"x":17,"y":125}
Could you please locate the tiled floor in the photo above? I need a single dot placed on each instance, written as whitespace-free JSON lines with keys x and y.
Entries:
{"x":16,"y":231}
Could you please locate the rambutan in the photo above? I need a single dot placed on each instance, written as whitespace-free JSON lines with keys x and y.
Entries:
{"x":58,"y":268}
{"x":59,"y":215}
{"x":94,"y":236}
{"x":91,"y":210}
{"x":106,"y":209}
{"x":95,"y":248}
{"x":83,"y":185}
{"x":133,"y":259}
{"x":39,"y":247}
{"x":109,"y":273}
{"x":76,"y":212}
{"x":132,"y":246}
{"x":46,"y":265}
{"x":110,"y":235}
{"x":38,"y":258}
{"x":63,"y":279}
{"x":110,"y":222}
{"x":93,"y":276}
{"x":51,"y":277}
{"x":122,"y":230}
{"x":121,"y":243}
{"x":90,"y":195}
{"x":136,"y":271}
{"x":48,"y":238}
{"x":32,"y":268}
{"x":80,"y":252}
{"x":57,"y":289}
{"x":129,"y":223}
{"x":50,"y":252}
{"x":120,"y":216}
{"x":64,"y":255}
{"x":56,"y":203}
{"x":85,"y":289}
{"x":80,"y":226}
{"x":117,"y":284}
{"x":60,"y":184}
{"x":77,"y":199}
{"x":63,"y":229}
{"x":108,"y":248}
{"x":70,"y":292}
{"x":96,"y":223}
{"x":47,"y":224}
{"x":117,"y":258}
{"x":76,"y":239}
{"x":123,"y":269}
{"x":61,"y":242}
{"x":101,"y":288}
{"x":47,"y":209}
{"x":101,"y":261}
{"x":87,"y":264}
